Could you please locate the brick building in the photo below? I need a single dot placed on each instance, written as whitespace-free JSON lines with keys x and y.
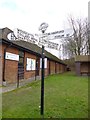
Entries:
{"x":82,"y":65}
{"x":21,"y":60}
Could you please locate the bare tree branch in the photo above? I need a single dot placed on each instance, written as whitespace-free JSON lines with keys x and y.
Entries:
{"x":79,"y":43}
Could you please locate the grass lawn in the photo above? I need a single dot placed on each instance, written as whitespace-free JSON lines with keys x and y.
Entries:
{"x":66,"y":96}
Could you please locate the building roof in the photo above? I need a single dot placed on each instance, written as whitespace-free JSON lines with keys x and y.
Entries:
{"x":27,"y":46}
{"x":36,"y":49}
{"x":4,"y":32}
{"x":82,"y":58}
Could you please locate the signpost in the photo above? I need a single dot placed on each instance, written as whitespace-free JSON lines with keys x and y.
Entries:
{"x":42,"y":28}
{"x":43,"y":40}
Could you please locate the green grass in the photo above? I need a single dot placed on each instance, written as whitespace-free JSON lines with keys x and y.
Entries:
{"x":66,"y":96}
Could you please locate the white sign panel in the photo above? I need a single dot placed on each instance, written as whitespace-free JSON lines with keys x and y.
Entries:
{"x":43,"y":40}
{"x":59,"y":34}
{"x":55,"y":35}
{"x":53,"y":45}
{"x":45,"y":62}
{"x":28,"y":67}
{"x":12,"y":56}
{"x":23,"y":35}
{"x":31,"y":64}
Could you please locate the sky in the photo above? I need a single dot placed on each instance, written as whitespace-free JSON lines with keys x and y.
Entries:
{"x":29,"y":14}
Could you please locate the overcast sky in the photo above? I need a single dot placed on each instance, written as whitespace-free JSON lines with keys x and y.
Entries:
{"x":29,"y":14}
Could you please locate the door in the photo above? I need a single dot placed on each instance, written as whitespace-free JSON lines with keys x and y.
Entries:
{"x":21,"y":66}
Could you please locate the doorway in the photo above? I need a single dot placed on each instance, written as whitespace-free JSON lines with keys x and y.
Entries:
{"x":21,"y":65}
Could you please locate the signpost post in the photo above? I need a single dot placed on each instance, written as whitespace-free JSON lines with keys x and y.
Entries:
{"x":42,"y":28}
{"x":42,"y":83}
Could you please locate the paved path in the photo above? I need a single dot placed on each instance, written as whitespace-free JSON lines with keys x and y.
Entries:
{"x":11,"y":87}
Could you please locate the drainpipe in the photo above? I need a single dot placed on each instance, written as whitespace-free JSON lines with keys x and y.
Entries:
{"x":55,"y":67}
{"x":4,"y":81}
{"x":36,"y":69}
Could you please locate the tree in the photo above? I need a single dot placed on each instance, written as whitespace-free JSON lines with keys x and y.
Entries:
{"x":79,"y":42}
